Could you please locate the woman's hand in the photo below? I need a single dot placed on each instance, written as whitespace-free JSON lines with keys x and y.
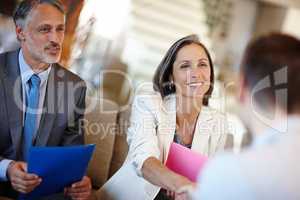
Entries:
{"x":158,"y":174}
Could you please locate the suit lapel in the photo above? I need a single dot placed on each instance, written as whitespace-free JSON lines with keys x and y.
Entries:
{"x":13,"y":95}
{"x":51,"y":104}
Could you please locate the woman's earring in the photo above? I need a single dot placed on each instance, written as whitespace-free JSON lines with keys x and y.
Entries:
{"x":171,"y":85}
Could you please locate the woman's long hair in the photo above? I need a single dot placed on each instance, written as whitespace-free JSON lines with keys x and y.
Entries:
{"x":161,"y":79}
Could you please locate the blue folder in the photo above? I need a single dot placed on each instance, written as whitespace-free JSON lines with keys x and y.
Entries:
{"x":58,"y":167}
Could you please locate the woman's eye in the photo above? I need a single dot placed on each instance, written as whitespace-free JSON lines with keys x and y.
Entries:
{"x":184,"y":66}
{"x":202,"y":65}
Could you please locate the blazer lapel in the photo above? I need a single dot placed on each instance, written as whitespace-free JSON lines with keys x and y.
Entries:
{"x":169,"y":123}
{"x":14,"y":100}
{"x":52,"y":101}
{"x":202,"y":137}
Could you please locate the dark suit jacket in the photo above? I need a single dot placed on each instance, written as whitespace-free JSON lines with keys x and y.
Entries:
{"x":64,"y":105}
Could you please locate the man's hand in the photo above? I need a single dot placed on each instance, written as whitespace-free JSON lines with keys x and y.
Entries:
{"x":80,"y":190}
{"x":182,"y":196}
{"x":170,"y":194}
{"x":185,"y":192}
{"x":20,"y":180}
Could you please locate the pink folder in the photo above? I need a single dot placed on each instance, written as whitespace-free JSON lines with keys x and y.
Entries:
{"x":185,"y":162}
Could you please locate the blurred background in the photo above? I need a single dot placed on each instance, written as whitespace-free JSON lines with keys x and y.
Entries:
{"x":116,"y":45}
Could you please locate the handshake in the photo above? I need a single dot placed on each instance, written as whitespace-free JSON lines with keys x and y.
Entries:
{"x":185,"y":192}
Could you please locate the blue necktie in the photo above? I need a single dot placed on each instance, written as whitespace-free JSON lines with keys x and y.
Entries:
{"x":31,"y":113}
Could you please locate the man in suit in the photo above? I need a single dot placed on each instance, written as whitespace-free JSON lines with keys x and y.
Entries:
{"x":42,"y":104}
{"x":269,"y":169}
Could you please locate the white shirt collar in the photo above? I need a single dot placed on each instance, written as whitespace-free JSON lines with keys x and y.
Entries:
{"x":26,"y":71}
{"x":271,"y":136}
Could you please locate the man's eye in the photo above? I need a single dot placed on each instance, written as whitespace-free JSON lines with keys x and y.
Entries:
{"x":44,"y":30}
{"x":61,"y":29}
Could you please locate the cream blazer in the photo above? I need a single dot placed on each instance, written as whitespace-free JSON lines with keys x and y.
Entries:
{"x":151,"y":131}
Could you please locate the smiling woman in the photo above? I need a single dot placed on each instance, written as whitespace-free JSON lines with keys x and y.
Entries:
{"x":176,"y":111}
{"x":187,"y":61}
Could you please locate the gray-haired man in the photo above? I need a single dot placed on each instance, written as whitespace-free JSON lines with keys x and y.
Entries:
{"x":42,"y":104}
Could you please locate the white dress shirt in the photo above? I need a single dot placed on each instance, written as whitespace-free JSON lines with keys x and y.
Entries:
{"x":269,"y":169}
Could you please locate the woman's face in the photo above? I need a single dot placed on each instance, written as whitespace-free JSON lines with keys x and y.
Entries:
{"x":191,"y":71}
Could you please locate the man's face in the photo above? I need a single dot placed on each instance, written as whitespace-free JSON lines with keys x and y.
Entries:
{"x":43,"y":34}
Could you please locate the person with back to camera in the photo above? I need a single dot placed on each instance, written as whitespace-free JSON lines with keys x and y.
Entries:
{"x":269,"y":93}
